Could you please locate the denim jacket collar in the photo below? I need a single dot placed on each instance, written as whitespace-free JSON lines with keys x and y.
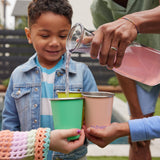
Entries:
{"x":29,"y":65}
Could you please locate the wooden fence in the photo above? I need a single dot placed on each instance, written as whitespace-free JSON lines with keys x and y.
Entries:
{"x":15,"y":50}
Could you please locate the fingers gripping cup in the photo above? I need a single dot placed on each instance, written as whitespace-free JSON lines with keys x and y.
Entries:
{"x":67,"y":113}
{"x":76,"y":37}
{"x":98,"y":109}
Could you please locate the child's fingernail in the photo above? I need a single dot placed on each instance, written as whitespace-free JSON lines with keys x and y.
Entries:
{"x":78,"y":131}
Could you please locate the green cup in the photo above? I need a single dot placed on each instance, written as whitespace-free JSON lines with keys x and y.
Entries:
{"x":67,"y":113}
{"x":71,"y":94}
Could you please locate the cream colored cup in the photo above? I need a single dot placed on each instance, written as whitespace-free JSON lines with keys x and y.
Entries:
{"x":98,"y":109}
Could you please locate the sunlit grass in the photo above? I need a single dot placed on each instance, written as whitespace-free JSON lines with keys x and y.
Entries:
{"x":121,"y":96}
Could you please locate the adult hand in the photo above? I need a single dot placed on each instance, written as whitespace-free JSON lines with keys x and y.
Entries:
{"x":111,"y":40}
{"x":103,"y":137}
{"x":59,"y":142}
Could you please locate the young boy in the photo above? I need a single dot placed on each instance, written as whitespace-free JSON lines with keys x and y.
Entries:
{"x":32,"y":84}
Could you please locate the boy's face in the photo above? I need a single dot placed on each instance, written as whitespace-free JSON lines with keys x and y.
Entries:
{"x":48,"y":36}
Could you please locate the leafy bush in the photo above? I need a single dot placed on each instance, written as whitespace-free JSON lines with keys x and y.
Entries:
{"x":113,"y":81}
{"x":5,"y":82}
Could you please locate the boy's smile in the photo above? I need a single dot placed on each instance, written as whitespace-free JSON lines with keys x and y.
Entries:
{"x":48,"y":36}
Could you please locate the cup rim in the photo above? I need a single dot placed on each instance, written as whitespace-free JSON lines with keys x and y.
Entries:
{"x":69,"y":92}
{"x":68,"y":98}
{"x":98,"y":94}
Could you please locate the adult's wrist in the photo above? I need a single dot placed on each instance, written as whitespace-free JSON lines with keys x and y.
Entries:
{"x":147,"y":21}
{"x":123,"y":129}
{"x":136,"y":116}
{"x":137,"y":19}
{"x":131,"y":21}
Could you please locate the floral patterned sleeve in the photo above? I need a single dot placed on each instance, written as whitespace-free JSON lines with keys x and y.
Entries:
{"x":19,"y":145}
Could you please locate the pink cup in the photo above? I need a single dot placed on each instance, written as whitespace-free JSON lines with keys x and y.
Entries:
{"x":98,"y":109}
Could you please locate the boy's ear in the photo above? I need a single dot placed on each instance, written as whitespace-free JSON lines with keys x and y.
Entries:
{"x":28,"y":35}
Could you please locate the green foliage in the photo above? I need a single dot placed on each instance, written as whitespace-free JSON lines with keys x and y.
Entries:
{"x":157,"y":110}
{"x":6,"y":82}
{"x":21,"y":22}
{"x":113,"y":81}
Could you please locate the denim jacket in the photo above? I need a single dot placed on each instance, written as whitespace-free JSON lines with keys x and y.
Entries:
{"x":23,"y":96}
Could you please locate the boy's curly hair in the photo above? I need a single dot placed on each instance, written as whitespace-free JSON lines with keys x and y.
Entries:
{"x":37,"y":7}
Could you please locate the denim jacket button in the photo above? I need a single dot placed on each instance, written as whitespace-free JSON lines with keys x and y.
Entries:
{"x":35,"y":121}
{"x":59,"y":74}
{"x":35,"y":105}
{"x":18,"y":92}
{"x":36,"y":89}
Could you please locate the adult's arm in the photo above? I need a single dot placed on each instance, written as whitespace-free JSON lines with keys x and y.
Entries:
{"x":147,"y":21}
{"x":138,"y":129}
{"x":111,"y":39}
{"x":145,"y":129}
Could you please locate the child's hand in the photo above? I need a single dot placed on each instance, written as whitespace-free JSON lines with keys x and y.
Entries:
{"x":59,"y":142}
